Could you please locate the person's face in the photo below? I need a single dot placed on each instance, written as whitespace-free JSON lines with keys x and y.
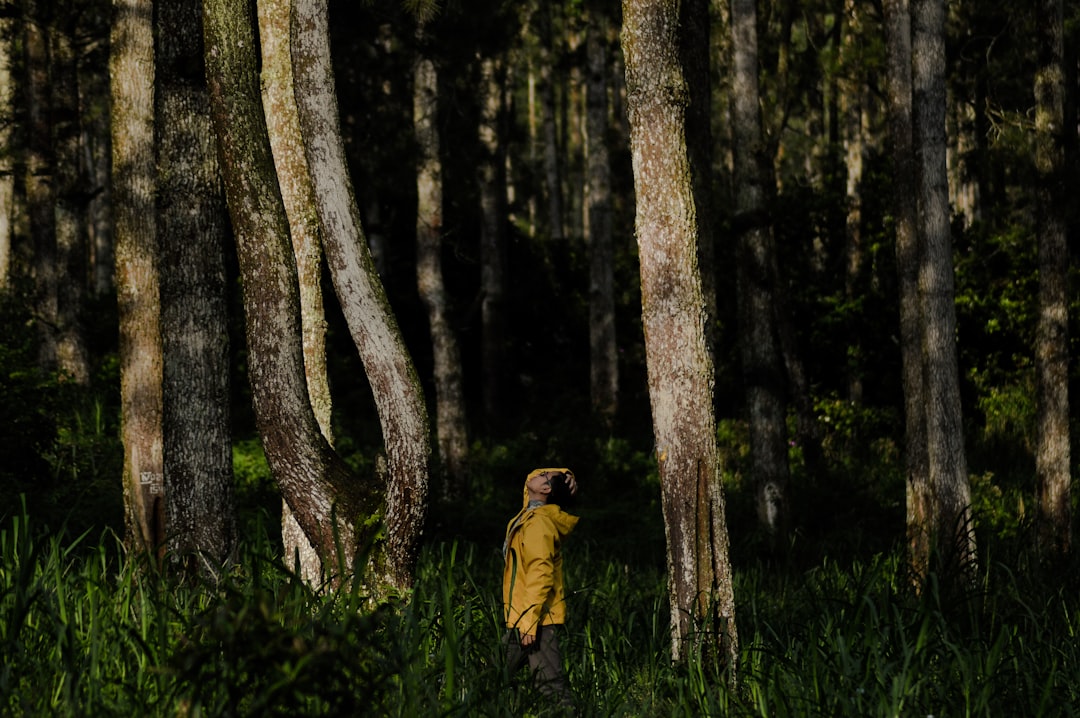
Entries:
{"x":540,"y":486}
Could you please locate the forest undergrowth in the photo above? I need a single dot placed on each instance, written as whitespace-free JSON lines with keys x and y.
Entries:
{"x":87,"y":630}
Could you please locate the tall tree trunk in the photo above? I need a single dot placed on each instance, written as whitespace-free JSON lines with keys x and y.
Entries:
{"x":327,"y":499}
{"x":131,"y":69}
{"x":953,"y":533}
{"x":391,"y":373}
{"x":450,"y":427}
{"x":756,"y":280}
{"x":920,"y":509}
{"x":7,"y":149}
{"x":298,"y":198}
{"x":70,"y":201}
{"x":679,"y":364}
{"x":603,"y":350}
{"x":1052,"y":450}
{"x":492,"y":180}
{"x":855,"y":150}
{"x":546,"y":60}
{"x":200,"y":509}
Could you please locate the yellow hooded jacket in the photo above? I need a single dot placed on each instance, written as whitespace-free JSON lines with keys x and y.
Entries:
{"x":533,"y":592}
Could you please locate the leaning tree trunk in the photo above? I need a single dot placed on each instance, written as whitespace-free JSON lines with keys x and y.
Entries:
{"x":298,"y":197}
{"x":200,"y":509}
{"x":603,"y":349}
{"x":131,"y":69}
{"x":679,"y":364}
{"x":1052,"y":450}
{"x":328,"y":501}
{"x":450,"y":434}
{"x":920,"y":509}
{"x":391,"y":373}
{"x":953,"y":533}
{"x":756,"y":279}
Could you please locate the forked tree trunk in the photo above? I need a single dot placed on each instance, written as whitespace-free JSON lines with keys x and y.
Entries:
{"x":131,"y":68}
{"x":954,"y":536}
{"x":451,"y":438}
{"x":329,"y":502}
{"x":679,"y":364}
{"x":1052,"y":449}
{"x":394,"y":383}
{"x":920,"y":509}
{"x":298,"y":197}
{"x":200,"y":510}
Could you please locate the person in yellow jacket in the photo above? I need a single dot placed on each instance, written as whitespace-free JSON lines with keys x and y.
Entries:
{"x":534,"y":598}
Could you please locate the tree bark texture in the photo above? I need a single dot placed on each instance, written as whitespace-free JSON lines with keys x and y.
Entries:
{"x":954,"y":536}
{"x":920,"y":510}
{"x":1052,"y":448}
{"x":450,"y":424}
{"x":603,"y":349}
{"x":545,"y":59}
{"x":391,"y":373}
{"x":298,"y":198}
{"x":756,"y":281}
{"x":680,"y":369}
{"x":131,"y":69}
{"x":7,"y":149}
{"x":326,"y":498}
{"x":198,"y":476}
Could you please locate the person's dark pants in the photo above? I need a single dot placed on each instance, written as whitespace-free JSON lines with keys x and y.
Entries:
{"x":544,"y":660}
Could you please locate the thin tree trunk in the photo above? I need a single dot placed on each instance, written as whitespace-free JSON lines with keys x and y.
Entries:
{"x":200,"y":508}
{"x":450,"y":427}
{"x":920,"y":509}
{"x":954,"y":536}
{"x":680,"y":369}
{"x":328,"y":501}
{"x":756,"y":279}
{"x":549,"y":126}
{"x":298,"y":198}
{"x":7,"y":150}
{"x":855,"y":150}
{"x":603,"y":350}
{"x":131,"y":69}
{"x":391,"y":373}
{"x":1052,"y":450}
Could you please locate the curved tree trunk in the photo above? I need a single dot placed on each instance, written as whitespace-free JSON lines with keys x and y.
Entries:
{"x":1052,"y":450}
{"x":328,"y":501}
{"x":200,"y":509}
{"x":680,"y":368}
{"x":131,"y":69}
{"x":451,"y":437}
{"x":756,"y":280}
{"x":394,"y":384}
{"x":298,"y":197}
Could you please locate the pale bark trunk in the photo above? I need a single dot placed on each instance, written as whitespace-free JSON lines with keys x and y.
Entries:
{"x":1052,"y":449}
{"x":918,"y":496}
{"x":756,"y":279}
{"x":394,"y":384}
{"x":855,"y":150}
{"x":680,"y":369}
{"x":131,"y":69}
{"x":603,"y":349}
{"x":298,"y":198}
{"x":7,"y":158}
{"x":451,"y":437}
{"x":954,"y":535}
{"x":200,"y":510}
{"x":492,"y":181}
{"x":328,"y":501}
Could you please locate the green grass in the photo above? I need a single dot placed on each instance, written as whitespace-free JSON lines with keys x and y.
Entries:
{"x":86,"y":631}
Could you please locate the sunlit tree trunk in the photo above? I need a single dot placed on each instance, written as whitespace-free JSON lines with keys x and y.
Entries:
{"x":603,"y":350}
{"x":298,"y":198}
{"x":919,"y":500}
{"x":7,"y":150}
{"x":131,"y":69}
{"x":680,"y":369}
{"x":450,"y":433}
{"x":200,"y":510}
{"x":492,"y":180}
{"x":1052,"y":449}
{"x":329,"y":502}
{"x":953,"y":534}
{"x":756,"y":280}
{"x":390,"y":371}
